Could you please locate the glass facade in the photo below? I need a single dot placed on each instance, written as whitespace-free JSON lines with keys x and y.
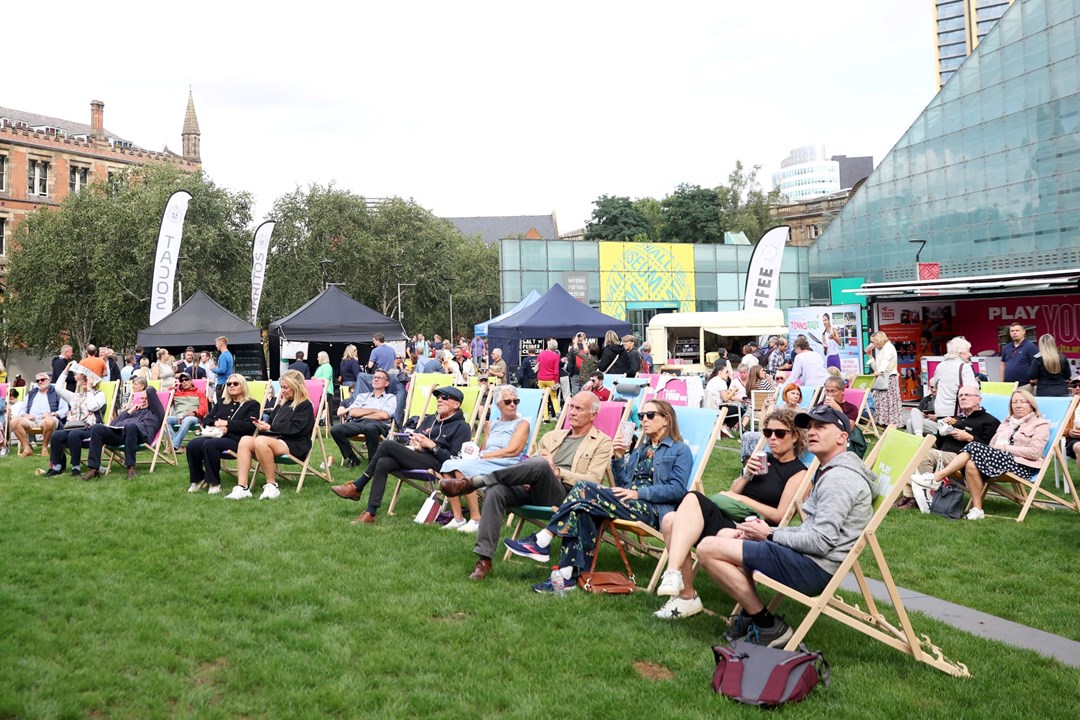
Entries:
{"x":626,"y":277}
{"x":988,"y":175}
{"x":961,"y":25}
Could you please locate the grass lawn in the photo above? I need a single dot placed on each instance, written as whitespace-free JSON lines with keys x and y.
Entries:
{"x":136,"y":600}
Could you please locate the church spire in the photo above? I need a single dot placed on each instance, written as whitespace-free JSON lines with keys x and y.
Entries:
{"x":190,"y":135}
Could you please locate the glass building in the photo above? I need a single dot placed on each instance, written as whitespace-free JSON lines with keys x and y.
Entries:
{"x":988,"y":175}
{"x":960,"y":26}
{"x":634,"y":281}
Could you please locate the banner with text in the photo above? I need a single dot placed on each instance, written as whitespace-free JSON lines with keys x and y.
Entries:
{"x":763,"y":277}
{"x":260,"y":247}
{"x":834,"y":331}
{"x":168,"y":250}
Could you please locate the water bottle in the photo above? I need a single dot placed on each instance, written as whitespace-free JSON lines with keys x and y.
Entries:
{"x":558,"y":582}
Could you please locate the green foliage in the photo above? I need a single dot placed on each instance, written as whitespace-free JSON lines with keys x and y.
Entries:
{"x":691,"y":215}
{"x":84,"y":269}
{"x":619,"y":219}
{"x":370,"y":250}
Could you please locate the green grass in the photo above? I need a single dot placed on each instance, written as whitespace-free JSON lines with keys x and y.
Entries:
{"x":136,"y":600}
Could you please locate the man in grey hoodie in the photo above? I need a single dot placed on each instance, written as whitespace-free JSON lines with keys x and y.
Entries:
{"x":803,"y":557}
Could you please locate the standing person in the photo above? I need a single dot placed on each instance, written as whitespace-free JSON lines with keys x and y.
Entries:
{"x":478,"y":350}
{"x":1017,"y":357}
{"x":497,"y":369}
{"x":575,"y":361}
{"x":382,"y":356}
{"x":60,"y":364}
{"x":613,"y":355}
{"x":808,"y":368}
{"x":633,"y":357}
{"x":300,"y":366}
{"x":883,"y":361}
{"x":547,"y":376}
{"x":206,"y":362}
{"x":163,"y":370}
{"x":777,"y":358}
{"x":128,"y":370}
{"x":953,"y":372}
{"x":1051,"y":371}
{"x":224,"y":367}
{"x":325,"y":372}
{"x":422,"y":346}
{"x":647,"y":365}
{"x":350,"y":366}
{"x":232,"y":417}
{"x":590,"y":363}
{"x":112,"y":370}
{"x":92,"y":362}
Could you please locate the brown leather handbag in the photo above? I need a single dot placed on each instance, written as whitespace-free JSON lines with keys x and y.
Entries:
{"x":608,"y":583}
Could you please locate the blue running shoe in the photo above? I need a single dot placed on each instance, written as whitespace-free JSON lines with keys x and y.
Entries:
{"x":527,"y":548}
{"x":545,"y":587}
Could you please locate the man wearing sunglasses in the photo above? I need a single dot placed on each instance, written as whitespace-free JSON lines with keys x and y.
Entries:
{"x":565,"y":457}
{"x":803,"y":557}
{"x":45,"y":409}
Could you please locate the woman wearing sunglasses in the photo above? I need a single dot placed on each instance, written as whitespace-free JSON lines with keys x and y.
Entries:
{"x":649,"y":484}
{"x":232,"y":418}
{"x":506,"y":439}
{"x":698,"y":517}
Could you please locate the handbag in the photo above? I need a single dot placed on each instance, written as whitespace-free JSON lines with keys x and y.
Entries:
{"x":429,"y":511}
{"x":881,"y":382}
{"x":608,"y":583}
{"x":948,"y":501}
{"x":211,"y":432}
{"x":765,"y":676}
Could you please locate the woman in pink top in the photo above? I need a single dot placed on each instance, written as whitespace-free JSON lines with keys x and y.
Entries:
{"x":547,"y":374}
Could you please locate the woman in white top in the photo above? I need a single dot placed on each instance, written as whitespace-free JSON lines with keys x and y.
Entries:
{"x":883,"y":361}
{"x":723,"y":390}
{"x":831,"y":337}
{"x":951,"y":374}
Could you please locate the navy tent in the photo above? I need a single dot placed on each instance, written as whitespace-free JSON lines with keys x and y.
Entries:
{"x":556,"y":314}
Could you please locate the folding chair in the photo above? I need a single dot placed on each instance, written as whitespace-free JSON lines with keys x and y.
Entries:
{"x":759,"y":401}
{"x":998,"y":388}
{"x":675,"y":392}
{"x":863,"y":382}
{"x":419,"y":394}
{"x":892,"y":461}
{"x":317,"y":394}
{"x":653,"y":378}
{"x":809,"y":396}
{"x":865,"y":422}
{"x":998,"y":405}
{"x":200,"y":385}
{"x":160,"y":446}
{"x":1059,"y":411}
{"x":111,"y":389}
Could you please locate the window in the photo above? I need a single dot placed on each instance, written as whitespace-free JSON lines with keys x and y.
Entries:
{"x":3,"y":173}
{"x":3,"y":236}
{"x":78,"y":177}
{"x":37,"y":178}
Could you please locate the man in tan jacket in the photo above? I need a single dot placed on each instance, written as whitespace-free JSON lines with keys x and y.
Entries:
{"x":564,"y":457}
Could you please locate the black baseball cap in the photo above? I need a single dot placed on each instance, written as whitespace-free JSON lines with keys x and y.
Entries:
{"x":450,"y":392}
{"x":825,"y":414}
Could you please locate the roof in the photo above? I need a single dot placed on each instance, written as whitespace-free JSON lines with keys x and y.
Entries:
{"x":191,"y":123}
{"x":333,"y":316}
{"x":199,"y":321}
{"x":494,"y":229}
{"x":1025,"y":282}
{"x":70,"y":128}
{"x":533,"y":296}
{"x":556,"y":314}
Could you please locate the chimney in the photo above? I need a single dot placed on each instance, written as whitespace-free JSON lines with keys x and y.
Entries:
{"x":97,"y":119}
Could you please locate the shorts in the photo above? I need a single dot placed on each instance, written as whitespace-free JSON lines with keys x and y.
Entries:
{"x":715,"y":519}
{"x":785,"y":565}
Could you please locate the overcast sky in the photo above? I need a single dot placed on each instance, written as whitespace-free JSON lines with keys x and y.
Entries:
{"x":482,"y":108}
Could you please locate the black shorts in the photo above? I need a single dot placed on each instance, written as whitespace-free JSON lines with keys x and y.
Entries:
{"x":715,"y":521}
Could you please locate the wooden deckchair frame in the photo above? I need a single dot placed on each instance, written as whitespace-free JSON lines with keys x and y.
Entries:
{"x":865,"y":421}
{"x":305,"y":465}
{"x":167,"y":456}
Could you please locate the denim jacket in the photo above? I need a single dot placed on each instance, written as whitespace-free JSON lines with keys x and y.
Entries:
{"x":672,"y":465}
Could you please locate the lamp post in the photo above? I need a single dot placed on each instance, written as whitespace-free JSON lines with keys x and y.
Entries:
{"x":400,"y":312}
{"x":324,"y":268}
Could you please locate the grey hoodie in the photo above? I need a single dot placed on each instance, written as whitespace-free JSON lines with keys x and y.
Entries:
{"x":837,"y":510}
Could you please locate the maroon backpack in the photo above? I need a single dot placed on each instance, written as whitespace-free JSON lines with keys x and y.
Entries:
{"x":760,"y":675}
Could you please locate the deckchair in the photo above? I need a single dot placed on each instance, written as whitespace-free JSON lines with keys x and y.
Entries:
{"x":200,"y":385}
{"x":419,"y":394}
{"x":110,"y":388}
{"x":471,"y":405}
{"x":675,"y":392}
{"x":653,"y":378}
{"x":317,"y":394}
{"x":160,"y":446}
{"x":864,"y":422}
{"x":863,"y":382}
{"x":998,"y":388}
{"x":893,"y":460}
{"x":1059,"y":411}
{"x":809,"y":396}
{"x":759,"y":400}
{"x":997,"y":405}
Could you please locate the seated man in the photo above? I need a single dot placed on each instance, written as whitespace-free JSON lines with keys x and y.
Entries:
{"x":189,"y":406}
{"x":45,"y":409}
{"x":439,"y":438}
{"x":833,"y":396}
{"x":135,"y":425}
{"x":803,"y":557}
{"x":368,"y":414}
{"x":565,"y":456}
{"x":972,"y":424}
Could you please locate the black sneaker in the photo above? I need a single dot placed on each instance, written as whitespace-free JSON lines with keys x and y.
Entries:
{"x":76,"y":471}
{"x":740,"y":625}
{"x":53,"y":472}
{"x":774,"y":637}
{"x":350,"y":462}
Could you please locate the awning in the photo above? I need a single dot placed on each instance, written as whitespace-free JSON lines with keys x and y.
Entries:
{"x":1042,"y":281}
{"x":747,"y":330}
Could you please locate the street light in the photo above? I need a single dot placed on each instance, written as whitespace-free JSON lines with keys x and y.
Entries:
{"x":324,"y":267}
{"x":922,"y":244}
{"x":400,"y":312}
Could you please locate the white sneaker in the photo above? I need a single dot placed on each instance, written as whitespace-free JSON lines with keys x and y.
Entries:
{"x":470,"y":527}
{"x":193,"y":488}
{"x":454,"y":524}
{"x":678,"y":607}
{"x":975,"y":514}
{"x":270,"y":492}
{"x":671,"y":583}
{"x":214,"y":490}
{"x":238,"y":493}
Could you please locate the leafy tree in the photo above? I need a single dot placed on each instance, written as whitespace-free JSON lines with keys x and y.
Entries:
{"x":82,"y":272}
{"x":654,"y":213}
{"x":618,"y":219}
{"x":691,"y":215}
{"x":744,"y":206}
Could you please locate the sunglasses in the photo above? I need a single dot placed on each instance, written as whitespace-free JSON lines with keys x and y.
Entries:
{"x":649,"y":415}
{"x":232,"y":384}
{"x":43,"y":380}
{"x":511,"y":401}
{"x":779,"y":433}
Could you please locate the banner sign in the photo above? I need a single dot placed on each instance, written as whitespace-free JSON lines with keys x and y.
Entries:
{"x":834,"y":331}
{"x":916,"y":329}
{"x":577,"y":284}
{"x":260,"y":248}
{"x":763,"y":277}
{"x":168,"y":250}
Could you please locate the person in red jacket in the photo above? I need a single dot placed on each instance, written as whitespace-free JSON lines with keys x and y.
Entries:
{"x":547,"y":375}
{"x":596,"y":386}
{"x":189,"y":408}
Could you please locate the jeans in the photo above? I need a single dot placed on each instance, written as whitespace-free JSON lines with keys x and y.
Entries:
{"x":180,"y":427}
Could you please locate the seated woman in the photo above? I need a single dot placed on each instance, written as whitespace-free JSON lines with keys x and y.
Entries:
{"x":232,"y":416}
{"x":648,"y":486}
{"x":767,"y":496}
{"x":1017,"y":448}
{"x":724,"y":391}
{"x":85,"y":406}
{"x":505,"y":441}
{"x":288,"y":432}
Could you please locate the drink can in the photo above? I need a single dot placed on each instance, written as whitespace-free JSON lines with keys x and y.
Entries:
{"x":763,"y":462}
{"x":627,"y":430}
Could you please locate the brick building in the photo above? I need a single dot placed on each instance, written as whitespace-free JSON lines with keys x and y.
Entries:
{"x":42,"y":159}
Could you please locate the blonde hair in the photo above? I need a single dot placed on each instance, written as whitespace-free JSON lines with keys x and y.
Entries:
{"x":294,"y":380}
{"x":879,"y":337}
{"x":1027,"y":396}
{"x":323,"y":357}
{"x":245,"y":391}
{"x":1049,"y":353}
{"x":350,"y":352}
{"x":610,"y":338}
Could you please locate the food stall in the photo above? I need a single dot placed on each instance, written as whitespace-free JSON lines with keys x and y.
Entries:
{"x":681,"y":341}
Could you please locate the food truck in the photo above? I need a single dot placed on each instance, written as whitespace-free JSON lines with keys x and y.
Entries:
{"x":681,"y":342}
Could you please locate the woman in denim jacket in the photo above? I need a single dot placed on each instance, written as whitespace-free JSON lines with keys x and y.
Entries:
{"x":649,"y":483}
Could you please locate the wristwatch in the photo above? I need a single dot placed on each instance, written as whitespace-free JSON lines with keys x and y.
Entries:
{"x":769,"y":536}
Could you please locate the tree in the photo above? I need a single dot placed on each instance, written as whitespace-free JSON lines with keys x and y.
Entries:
{"x":618,"y":219}
{"x":82,"y":272}
{"x":744,"y":206}
{"x":371,"y":249}
{"x":691,"y":215}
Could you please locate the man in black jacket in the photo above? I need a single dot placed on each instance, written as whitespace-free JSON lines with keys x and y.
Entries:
{"x":439,"y":438}
{"x":138,"y":423}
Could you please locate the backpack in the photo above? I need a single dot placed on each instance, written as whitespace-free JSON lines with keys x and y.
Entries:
{"x":760,"y":675}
